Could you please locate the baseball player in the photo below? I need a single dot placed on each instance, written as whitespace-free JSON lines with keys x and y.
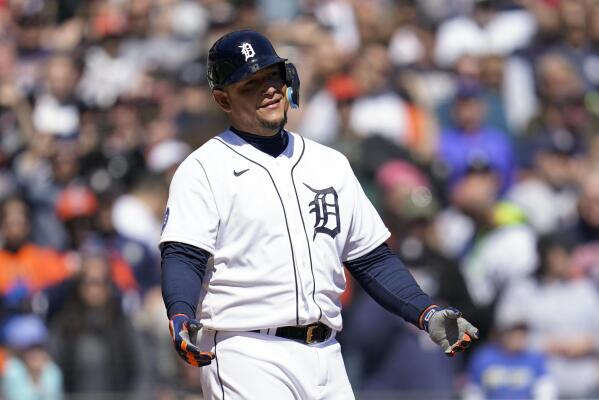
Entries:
{"x":280,"y":215}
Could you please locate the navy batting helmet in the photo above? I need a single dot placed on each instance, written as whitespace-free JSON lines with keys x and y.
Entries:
{"x":239,"y":54}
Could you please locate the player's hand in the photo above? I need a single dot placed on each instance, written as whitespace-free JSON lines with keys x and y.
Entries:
{"x":449,"y":329}
{"x":184,"y":331}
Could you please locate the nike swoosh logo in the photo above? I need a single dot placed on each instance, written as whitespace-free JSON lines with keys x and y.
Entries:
{"x":240,"y":172}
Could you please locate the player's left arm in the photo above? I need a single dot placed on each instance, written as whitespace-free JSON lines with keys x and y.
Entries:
{"x":382,"y":274}
{"x":386,"y":279}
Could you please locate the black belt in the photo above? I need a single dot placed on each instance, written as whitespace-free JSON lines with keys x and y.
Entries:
{"x":313,"y":333}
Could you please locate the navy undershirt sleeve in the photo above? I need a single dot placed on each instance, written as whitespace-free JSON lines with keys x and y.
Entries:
{"x":183,"y":270}
{"x":386,"y":279}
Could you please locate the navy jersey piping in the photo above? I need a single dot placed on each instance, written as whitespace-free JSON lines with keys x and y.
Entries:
{"x":305,"y":231}
{"x":217,"y":367}
{"x":286,"y":225}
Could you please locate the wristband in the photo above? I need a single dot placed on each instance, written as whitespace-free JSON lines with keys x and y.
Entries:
{"x":426,"y":315}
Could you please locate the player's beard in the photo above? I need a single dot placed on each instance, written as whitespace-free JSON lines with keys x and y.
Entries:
{"x":275,"y":126}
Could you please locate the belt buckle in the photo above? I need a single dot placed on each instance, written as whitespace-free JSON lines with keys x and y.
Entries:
{"x":310,"y":333}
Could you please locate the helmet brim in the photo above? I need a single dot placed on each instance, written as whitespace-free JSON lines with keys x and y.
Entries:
{"x":251,"y":68}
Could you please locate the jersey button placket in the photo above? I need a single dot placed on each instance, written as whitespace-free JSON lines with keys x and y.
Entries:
{"x":298,"y":238}
{"x":281,"y":175}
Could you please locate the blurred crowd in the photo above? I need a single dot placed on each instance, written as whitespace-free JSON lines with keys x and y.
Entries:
{"x":473,"y":126}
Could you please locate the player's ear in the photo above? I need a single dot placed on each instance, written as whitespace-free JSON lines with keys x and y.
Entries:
{"x":222,"y":99}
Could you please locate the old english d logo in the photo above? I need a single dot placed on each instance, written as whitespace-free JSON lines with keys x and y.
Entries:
{"x":325,"y":207}
{"x":247,"y":50}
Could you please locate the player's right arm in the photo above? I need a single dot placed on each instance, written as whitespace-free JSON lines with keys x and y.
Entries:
{"x":188,"y":237}
{"x":183,"y":270}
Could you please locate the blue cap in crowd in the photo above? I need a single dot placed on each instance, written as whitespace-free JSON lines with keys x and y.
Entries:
{"x":25,"y":331}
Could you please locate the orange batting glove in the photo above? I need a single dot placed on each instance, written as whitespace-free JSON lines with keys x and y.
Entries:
{"x":184,"y":331}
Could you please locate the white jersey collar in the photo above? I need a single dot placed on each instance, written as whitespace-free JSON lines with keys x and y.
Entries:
{"x":292,"y":153}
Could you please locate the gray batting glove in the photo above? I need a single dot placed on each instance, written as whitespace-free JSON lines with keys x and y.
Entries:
{"x":448,"y":329}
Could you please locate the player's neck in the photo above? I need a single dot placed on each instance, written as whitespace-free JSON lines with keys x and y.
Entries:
{"x":272,"y":145}
{"x":269,"y":134}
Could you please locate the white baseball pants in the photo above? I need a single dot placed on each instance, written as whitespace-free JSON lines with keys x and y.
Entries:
{"x":256,"y":366}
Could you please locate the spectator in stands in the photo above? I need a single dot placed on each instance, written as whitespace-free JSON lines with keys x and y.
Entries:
{"x":107,"y":74}
{"x":30,"y":373}
{"x":487,"y":30}
{"x":547,"y":190}
{"x":16,"y":125}
{"x":469,"y":139}
{"x":379,"y":110}
{"x":575,"y":29}
{"x":138,"y":214}
{"x":77,"y":208}
{"x":49,"y":176}
{"x":561,"y":313}
{"x":561,"y":93}
{"x":92,"y":339}
{"x":117,"y":157}
{"x":487,"y":71}
{"x":497,"y":246}
{"x":56,"y":110}
{"x":506,"y":369}
{"x":585,"y":232}
{"x":133,"y":256}
{"x":410,"y":207}
{"x":26,"y":268}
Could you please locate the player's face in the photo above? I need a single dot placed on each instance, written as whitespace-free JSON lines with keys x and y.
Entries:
{"x":258,"y":103}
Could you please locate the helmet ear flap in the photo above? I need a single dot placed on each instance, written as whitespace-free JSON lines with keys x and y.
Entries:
{"x":293,"y":85}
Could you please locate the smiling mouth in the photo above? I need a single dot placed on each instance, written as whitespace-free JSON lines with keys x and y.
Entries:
{"x":271,"y":104}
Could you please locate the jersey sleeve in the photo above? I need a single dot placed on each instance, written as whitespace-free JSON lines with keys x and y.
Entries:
{"x":367,"y":230}
{"x":191,"y":215}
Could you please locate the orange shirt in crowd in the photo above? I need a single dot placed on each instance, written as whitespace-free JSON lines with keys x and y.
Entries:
{"x":33,"y":266}
{"x":122,"y":275}
{"x":38,"y":268}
